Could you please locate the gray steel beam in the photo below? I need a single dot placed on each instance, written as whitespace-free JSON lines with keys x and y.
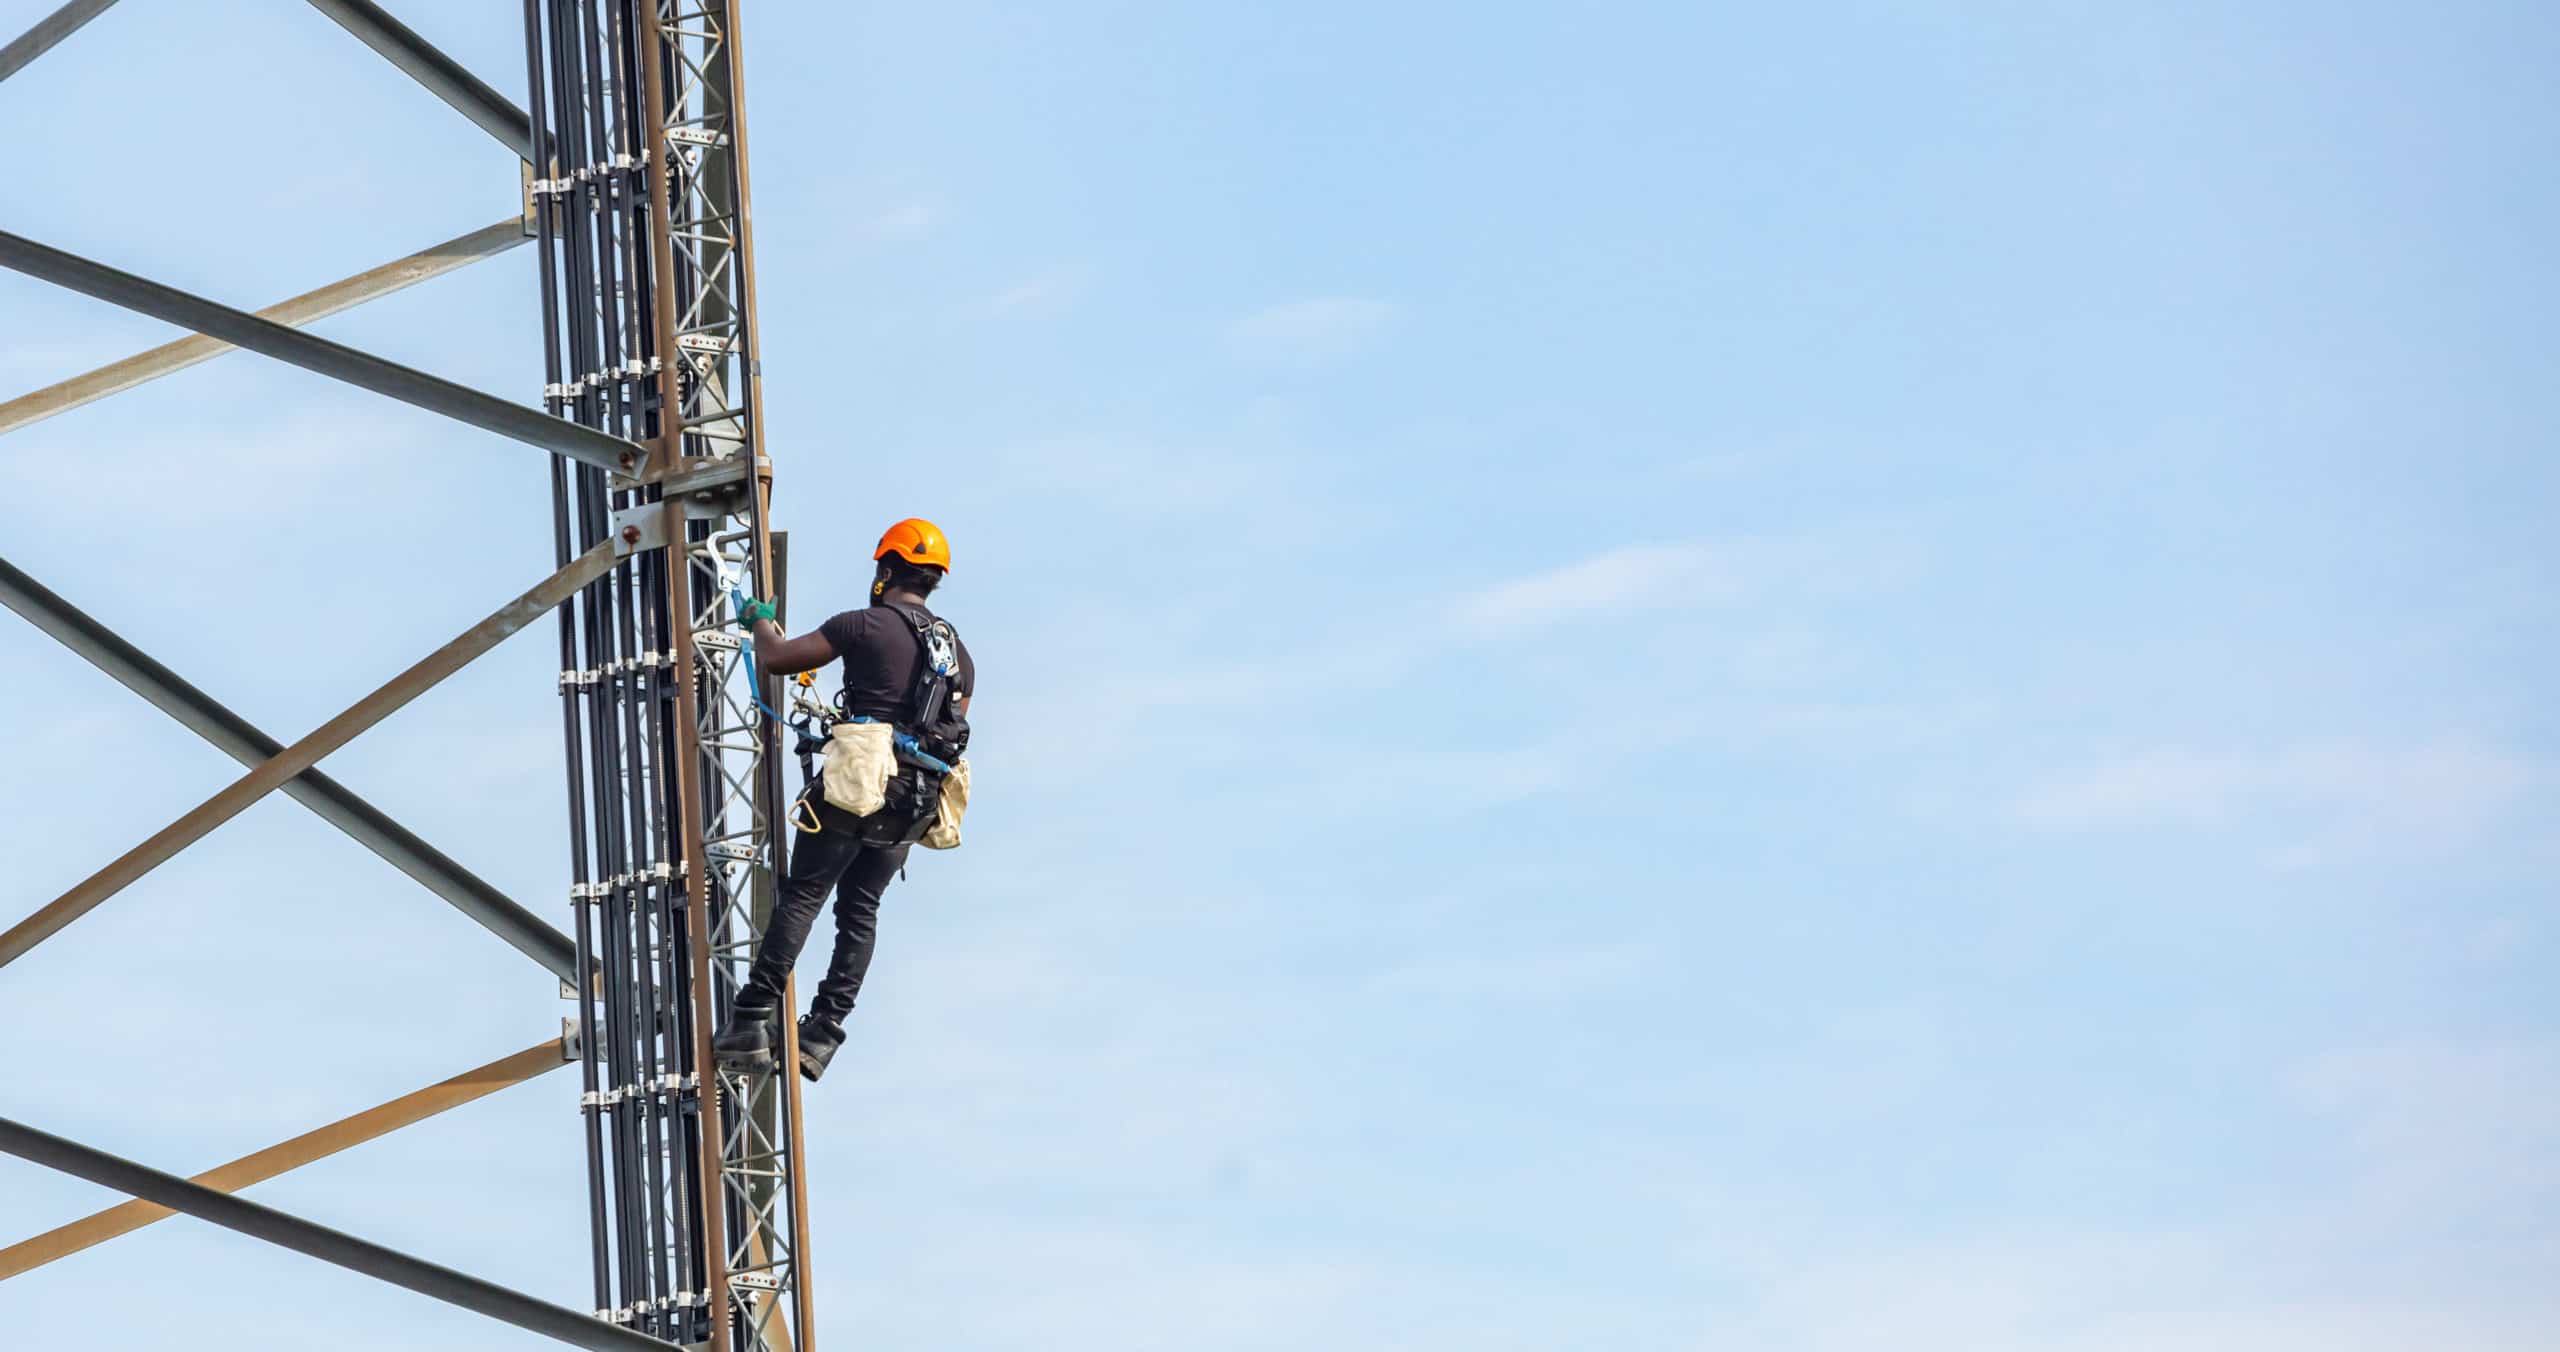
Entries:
{"x":361,"y":369}
{"x":278,"y":770}
{"x":368,"y":825}
{"x":50,"y":29}
{"x":475,"y":1294}
{"x":443,"y":76}
{"x":486,"y":242}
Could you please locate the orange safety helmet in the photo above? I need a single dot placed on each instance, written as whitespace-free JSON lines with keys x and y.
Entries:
{"x":918,"y":541}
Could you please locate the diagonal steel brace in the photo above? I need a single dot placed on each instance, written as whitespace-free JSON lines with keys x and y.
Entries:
{"x":443,"y":76}
{"x":237,"y":738}
{"x":50,"y":29}
{"x":319,"y":1241}
{"x":90,"y":1231}
{"x":336,"y":360}
{"x":168,"y":358}
{"x":281,"y":768}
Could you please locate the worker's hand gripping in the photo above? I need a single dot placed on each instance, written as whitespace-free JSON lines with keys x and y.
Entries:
{"x":751,"y":610}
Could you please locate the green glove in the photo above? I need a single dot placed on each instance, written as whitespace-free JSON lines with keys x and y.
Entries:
{"x":751,"y":610}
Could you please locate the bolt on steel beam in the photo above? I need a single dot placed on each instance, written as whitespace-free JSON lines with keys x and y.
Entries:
{"x":277,"y":770}
{"x":319,"y":1241}
{"x":238,"y":739}
{"x":406,"y":1110}
{"x":336,"y":360}
{"x":115,"y":378}
{"x":49,"y":30}
{"x":443,"y":76}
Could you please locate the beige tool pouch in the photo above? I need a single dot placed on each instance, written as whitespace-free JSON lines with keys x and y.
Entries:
{"x":944,"y":834}
{"x":860,"y":760}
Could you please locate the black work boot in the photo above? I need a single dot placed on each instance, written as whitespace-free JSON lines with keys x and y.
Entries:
{"x":818,"y":1043}
{"x":747,"y":1039}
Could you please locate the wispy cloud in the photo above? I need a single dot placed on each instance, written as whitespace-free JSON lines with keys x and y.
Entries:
{"x":1530,"y":975}
{"x":905,"y":221}
{"x":1322,"y":328}
{"x":2438,"y":789}
{"x":2438,"y":1123}
{"x":1632,"y":578}
{"x":296,"y":459}
{"x":1803,"y":570}
{"x":1049,"y":293}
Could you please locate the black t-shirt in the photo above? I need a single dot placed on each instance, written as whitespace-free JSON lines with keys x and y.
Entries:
{"x":880,"y":655}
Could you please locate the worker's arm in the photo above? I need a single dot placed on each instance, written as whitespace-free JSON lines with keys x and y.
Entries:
{"x":782,"y":655}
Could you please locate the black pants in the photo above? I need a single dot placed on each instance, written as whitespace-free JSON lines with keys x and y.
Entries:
{"x":832,"y":857}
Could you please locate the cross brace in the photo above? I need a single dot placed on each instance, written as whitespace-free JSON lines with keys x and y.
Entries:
{"x":336,"y":804}
{"x":274,"y":772}
{"x":336,"y":360}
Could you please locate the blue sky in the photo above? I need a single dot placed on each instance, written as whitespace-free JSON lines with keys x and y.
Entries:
{"x":1656,"y":676}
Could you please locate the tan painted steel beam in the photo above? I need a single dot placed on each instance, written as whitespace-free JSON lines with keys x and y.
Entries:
{"x":91,"y":1231}
{"x":280,"y":768}
{"x":115,"y":378}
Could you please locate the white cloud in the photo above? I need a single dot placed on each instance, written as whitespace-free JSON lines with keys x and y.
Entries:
{"x":1049,"y":293}
{"x":1632,"y":578}
{"x":907,"y":220}
{"x":288,"y":464}
{"x":1537,"y":975}
{"x":2171,"y":1292}
{"x":2432,"y":1160}
{"x":2437,"y":1124}
{"x":2441,"y":789}
{"x":1793,"y":573}
{"x":1319,"y":329}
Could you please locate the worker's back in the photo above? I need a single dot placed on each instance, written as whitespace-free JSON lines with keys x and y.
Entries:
{"x":882,"y":657}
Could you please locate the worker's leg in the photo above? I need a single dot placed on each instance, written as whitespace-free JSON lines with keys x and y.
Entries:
{"x":857,"y":925}
{"x":817,"y":860}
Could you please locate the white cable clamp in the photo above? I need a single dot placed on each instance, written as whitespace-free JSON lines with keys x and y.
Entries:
{"x":551,"y":187}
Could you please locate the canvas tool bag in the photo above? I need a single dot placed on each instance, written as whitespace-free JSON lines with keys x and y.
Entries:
{"x":860,"y":759}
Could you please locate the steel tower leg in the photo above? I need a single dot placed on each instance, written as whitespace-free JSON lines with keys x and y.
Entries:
{"x":674,"y":777}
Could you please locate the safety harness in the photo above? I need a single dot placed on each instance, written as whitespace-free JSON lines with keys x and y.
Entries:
{"x":930,"y":735}
{"x":938,"y":732}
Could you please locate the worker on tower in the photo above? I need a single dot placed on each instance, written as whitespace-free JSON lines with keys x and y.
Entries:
{"x":894,"y":777}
